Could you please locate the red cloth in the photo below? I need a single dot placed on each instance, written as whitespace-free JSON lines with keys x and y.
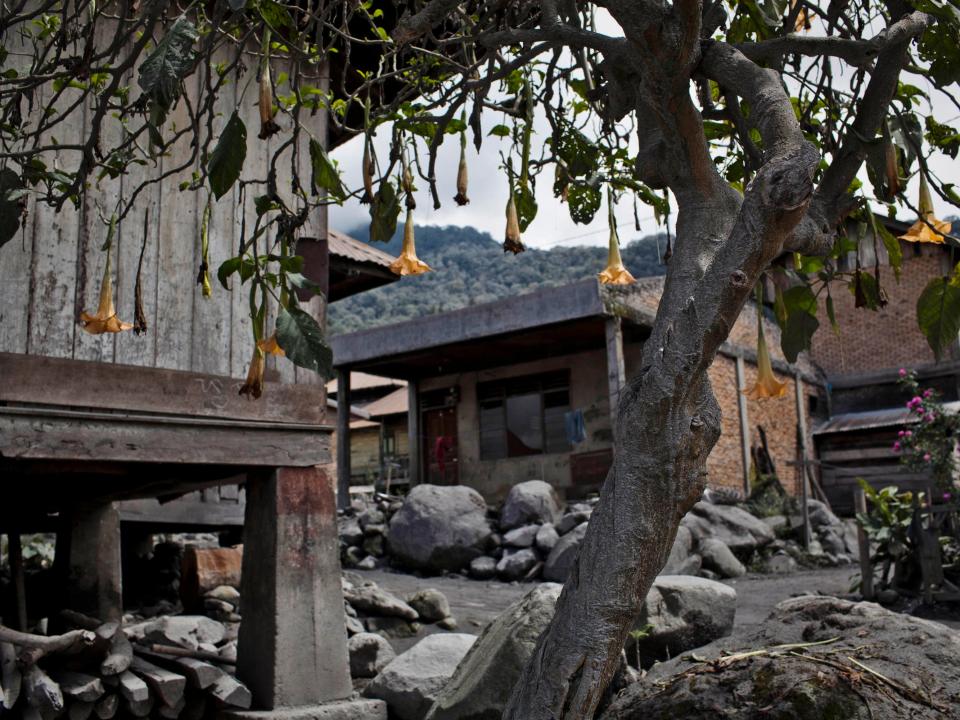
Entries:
{"x":440,"y":448}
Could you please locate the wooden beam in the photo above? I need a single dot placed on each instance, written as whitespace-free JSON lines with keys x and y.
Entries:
{"x":866,"y":568}
{"x":616,"y":371}
{"x":15,"y":556}
{"x":39,"y":434}
{"x":343,"y":439}
{"x":802,"y":442}
{"x":745,"y":457}
{"x":413,"y":430}
{"x":64,"y":383}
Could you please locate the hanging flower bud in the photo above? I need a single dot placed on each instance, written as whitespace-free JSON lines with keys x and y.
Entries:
{"x":105,"y":319}
{"x":767,"y":385}
{"x":461,"y":196}
{"x":253,"y":387}
{"x":367,"y":172}
{"x":615,"y":273}
{"x":892,"y":170}
{"x":408,"y":263}
{"x":267,"y":126}
{"x":512,"y":242}
{"x":561,"y":182}
{"x":927,"y":228}
{"x":803,"y":18}
{"x":203,"y":275}
{"x":408,"y":187}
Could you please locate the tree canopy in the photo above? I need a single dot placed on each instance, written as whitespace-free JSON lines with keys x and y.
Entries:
{"x":750,"y":123}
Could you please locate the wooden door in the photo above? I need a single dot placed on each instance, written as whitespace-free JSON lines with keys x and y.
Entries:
{"x":440,"y":446}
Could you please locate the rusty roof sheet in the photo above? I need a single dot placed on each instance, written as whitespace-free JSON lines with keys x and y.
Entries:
{"x":343,"y":245}
{"x":366,"y":381}
{"x":392,"y":404}
{"x":870,"y":419}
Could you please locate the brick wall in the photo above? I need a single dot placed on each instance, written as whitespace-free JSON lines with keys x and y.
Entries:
{"x":888,"y":338}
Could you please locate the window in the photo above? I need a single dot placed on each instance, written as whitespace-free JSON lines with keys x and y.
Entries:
{"x":524,"y":416}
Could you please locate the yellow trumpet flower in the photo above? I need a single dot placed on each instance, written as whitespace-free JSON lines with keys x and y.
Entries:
{"x":927,"y":228}
{"x":105,"y":319}
{"x":408,"y":263}
{"x":615,"y":273}
{"x":512,"y":242}
{"x":270,"y":346}
{"x":253,"y":387}
{"x":461,"y":197}
{"x":767,"y":385}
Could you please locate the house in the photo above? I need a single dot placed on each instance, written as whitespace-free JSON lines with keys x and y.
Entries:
{"x":861,"y":367}
{"x":526,"y":387}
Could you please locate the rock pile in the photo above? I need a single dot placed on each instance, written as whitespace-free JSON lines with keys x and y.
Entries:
{"x":533,"y":537}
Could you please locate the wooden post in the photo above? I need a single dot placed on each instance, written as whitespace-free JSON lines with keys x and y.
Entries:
{"x":343,"y":439}
{"x":15,"y":554}
{"x":413,"y":429}
{"x":802,"y":441}
{"x":866,"y":568}
{"x":94,"y":584}
{"x":616,"y":372}
{"x":744,"y":426}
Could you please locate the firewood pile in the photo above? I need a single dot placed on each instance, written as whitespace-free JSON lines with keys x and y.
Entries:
{"x":167,"y":667}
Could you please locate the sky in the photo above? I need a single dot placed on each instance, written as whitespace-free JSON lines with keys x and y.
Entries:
{"x":552,"y":226}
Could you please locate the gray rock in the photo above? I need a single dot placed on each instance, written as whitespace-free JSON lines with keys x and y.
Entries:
{"x":353,"y":555}
{"x":820,"y":515}
{"x":439,"y":528}
{"x":776,"y":522}
{"x":735,"y":527}
{"x":547,"y":537}
{"x":685,"y":612}
{"x":484,"y":679}
{"x":373,"y":545}
{"x":369,"y":654}
{"x":815,"y":549}
{"x":371,"y":516}
{"x":393,"y":627}
{"x":431,"y":604}
{"x":560,"y":560}
{"x":718,"y":557}
{"x":678,"y":562}
{"x":448,"y":623}
{"x":831,"y":539}
{"x":374,"y":530}
{"x":368,"y":563}
{"x":573,"y":518}
{"x":779,"y":563}
{"x":533,"y":501}
{"x":851,"y":538}
{"x":916,"y":655}
{"x":226,"y":593}
{"x":186,"y":631}
{"x":374,"y":600}
{"x":483,"y":567}
{"x":410,"y":683}
{"x":354,"y":626}
{"x":349,"y":530}
{"x":521,"y":537}
{"x":515,"y":565}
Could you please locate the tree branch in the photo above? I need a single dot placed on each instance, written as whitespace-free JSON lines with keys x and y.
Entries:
{"x":854,"y":52}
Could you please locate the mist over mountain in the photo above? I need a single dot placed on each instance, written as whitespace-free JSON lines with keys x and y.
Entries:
{"x":470,"y":268}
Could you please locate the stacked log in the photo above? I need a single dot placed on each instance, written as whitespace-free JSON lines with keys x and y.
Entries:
{"x":151,"y":669}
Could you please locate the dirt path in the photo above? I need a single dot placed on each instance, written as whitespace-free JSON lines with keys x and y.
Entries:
{"x":475,"y":603}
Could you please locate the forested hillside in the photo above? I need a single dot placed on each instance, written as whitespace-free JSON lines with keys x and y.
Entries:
{"x":470,"y":268}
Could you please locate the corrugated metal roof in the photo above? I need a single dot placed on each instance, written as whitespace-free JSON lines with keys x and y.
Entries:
{"x":392,"y":404}
{"x":870,"y":419}
{"x":366,"y":381}
{"x":352,"y":249}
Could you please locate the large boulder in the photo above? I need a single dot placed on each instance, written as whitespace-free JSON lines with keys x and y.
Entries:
{"x":872,"y":663}
{"x":439,"y":528}
{"x":560,"y":560}
{"x":484,"y":679}
{"x":735,"y":527}
{"x":683,"y":613}
{"x":821,"y":516}
{"x":410,"y":683}
{"x":530,"y":502}
{"x":514,"y":565}
{"x":681,"y":553}
{"x":431,"y":604}
{"x":369,"y":654}
{"x":719,"y":558}
{"x":371,"y":599}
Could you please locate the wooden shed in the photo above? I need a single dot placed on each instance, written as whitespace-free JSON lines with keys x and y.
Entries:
{"x":90,"y":420}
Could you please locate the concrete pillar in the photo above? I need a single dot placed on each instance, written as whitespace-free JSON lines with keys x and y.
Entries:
{"x":293,"y":640}
{"x":802,"y":443}
{"x":343,"y":439}
{"x":413,"y":430}
{"x":616,"y":370}
{"x":744,"y":426}
{"x":92,"y":545}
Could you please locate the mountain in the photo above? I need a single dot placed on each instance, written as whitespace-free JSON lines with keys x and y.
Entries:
{"x":470,"y":268}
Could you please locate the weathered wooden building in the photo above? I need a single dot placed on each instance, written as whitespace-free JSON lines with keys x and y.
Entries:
{"x":526,"y":388}
{"x":90,"y":420}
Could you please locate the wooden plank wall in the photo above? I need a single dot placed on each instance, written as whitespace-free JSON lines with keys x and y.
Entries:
{"x":51,"y":272}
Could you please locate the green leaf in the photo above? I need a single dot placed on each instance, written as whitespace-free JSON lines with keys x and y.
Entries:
{"x":500,"y":131}
{"x":795,"y":337}
{"x":583,"y":201}
{"x":938,"y":314}
{"x":11,"y":204}
{"x":304,"y":283}
{"x":384,"y":211}
{"x":303,"y":342}
{"x":237,"y":5}
{"x":800,"y":299}
{"x":892,"y":244}
{"x":228,"y":268}
{"x":831,"y":314}
{"x":325,"y":173}
{"x":526,"y":206}
{"x":164,"y":69}
{"x":275,"y":15}
{"x":226,"y":160}
{"x":264,"y":204}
